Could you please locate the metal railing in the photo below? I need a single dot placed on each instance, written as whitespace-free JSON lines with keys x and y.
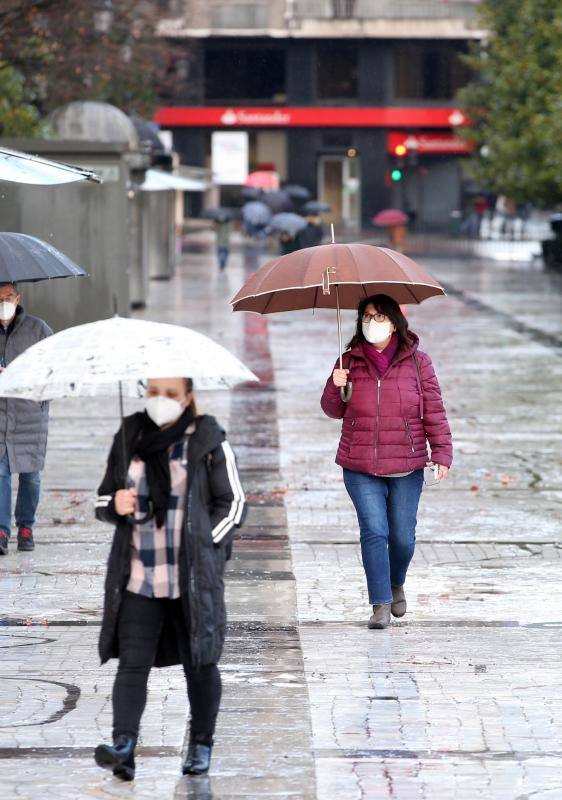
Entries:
{"x":385,"y":9}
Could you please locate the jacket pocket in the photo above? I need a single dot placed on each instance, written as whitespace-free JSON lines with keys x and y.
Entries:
{"x":409,"y":435}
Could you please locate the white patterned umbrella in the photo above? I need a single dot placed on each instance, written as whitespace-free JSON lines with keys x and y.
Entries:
{"x":115,"y":356}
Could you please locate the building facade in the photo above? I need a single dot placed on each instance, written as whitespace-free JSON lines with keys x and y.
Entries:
{"x":353,"y":99}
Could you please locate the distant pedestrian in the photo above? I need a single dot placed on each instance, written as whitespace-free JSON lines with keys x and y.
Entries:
{"x":287,"y":243}
{"x":223,"y":229}
{"x":164,"y":590}
{"x":394,"y":410}
{"x":23,"y":425}
{"x":312,"y":235}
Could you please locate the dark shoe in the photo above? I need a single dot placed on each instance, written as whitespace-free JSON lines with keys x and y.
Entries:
{"x":398,"y":606}
{"x":380,"y":617}
{"x":3,"y":543}
{"x":25,"y":539}
{"x":198,"y":759}
{"x":120,"y":757}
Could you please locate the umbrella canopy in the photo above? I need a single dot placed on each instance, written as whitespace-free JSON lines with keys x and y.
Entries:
{"x":251,"y":193}
{"x":256,"y":213}
{"x":278,"y":201}
{"x":332,"y":274}
{"x":24,"y":258}
{"x":263,"y":179}
{"x":83,"y":361}
{"x":218,"y":213}
{"x":24,"y":168}
{"x":390,"y":217}
{"x":315,"y":207}
{"x":297,"y":192}
{"x":156,"y":180}
{"x":287,"y":223}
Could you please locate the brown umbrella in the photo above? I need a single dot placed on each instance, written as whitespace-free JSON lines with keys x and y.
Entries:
{"x":334,"y":276}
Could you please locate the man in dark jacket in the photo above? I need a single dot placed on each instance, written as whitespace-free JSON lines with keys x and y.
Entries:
{"x":23,"y":424}
{"x":312,"y":235}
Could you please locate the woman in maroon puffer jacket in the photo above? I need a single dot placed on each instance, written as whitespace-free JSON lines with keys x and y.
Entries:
{"x":394,"y":410}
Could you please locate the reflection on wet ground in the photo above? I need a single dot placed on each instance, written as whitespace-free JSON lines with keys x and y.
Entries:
{"x":461,"y":699}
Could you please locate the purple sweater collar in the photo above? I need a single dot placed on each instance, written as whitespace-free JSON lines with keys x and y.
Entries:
{"x":381,"y":360}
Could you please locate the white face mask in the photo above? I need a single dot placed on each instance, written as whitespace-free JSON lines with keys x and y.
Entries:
{"x":7,"y":309}
{"x":376,"y":332}
{"x":163,"y":410}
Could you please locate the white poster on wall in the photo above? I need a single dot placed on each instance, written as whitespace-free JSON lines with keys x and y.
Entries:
{"x":229,"y":157}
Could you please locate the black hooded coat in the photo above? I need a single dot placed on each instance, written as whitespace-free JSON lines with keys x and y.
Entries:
{"x":215,"y":505}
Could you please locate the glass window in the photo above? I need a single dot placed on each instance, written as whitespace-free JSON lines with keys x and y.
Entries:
{"x":337,"y":71}
{"x":429,"y":72}
{"x":245,"y":74}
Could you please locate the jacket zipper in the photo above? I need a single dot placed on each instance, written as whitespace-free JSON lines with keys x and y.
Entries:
{"x":378,"y":421}
{"x":192,"y":566}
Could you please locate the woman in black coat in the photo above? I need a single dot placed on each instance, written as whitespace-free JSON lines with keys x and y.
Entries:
{"x":164,"y":590}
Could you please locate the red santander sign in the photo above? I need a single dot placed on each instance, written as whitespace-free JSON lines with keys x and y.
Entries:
{"x":306,"y":117}
{"x":428,"y":143}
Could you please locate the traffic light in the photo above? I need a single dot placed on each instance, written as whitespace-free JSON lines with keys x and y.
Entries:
{"x":396,"y":174}
{"x":400,"y":150}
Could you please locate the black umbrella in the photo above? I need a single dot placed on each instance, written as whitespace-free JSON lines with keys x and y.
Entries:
{"x":278,"y":201}
{"x":218,"y":213}
{"x":24,"y":258}
{"x":315,"y":207}
{"x":297,"y":192}
{"x":251,"y":193}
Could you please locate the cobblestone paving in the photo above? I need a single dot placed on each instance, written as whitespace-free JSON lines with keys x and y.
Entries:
{"x":461,"y":699}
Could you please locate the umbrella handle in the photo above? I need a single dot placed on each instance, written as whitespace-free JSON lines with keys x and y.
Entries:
{"x":132,"y":520}
{"x":346,"y":392}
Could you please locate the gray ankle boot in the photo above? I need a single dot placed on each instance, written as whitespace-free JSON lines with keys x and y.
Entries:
{"x":398,"y":606}
{"x":381,"y":617}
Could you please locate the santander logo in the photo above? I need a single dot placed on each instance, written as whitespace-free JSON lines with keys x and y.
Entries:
{"x":229,"y":117}
{"x":247,"y":116}
{"x":457,"y":118}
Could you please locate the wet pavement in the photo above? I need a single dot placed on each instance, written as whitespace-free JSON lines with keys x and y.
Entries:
{"x":461,"y":699}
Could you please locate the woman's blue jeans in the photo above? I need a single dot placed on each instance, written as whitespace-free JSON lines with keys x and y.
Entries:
{"x":29,"y":487}
{"x":386,"y":510}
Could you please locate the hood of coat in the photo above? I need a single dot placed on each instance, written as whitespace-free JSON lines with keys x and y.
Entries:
{"x":414,"y":341}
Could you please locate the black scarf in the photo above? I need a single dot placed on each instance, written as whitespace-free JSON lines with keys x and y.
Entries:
{"x":152,"y":447}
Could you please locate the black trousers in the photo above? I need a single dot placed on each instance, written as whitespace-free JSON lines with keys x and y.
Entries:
{"x":141,"y":620}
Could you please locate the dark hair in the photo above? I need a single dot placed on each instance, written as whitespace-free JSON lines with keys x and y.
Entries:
{"x":189,"y":390}
{"x":384,"y":305}
{"x":10,"y":283}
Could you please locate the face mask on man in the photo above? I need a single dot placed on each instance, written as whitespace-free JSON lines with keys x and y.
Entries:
{"x":7,"y":309}
{"x":376,"y":332}
{"x":163,"y":410}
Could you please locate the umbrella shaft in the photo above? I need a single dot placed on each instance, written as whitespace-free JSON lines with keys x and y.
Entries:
{"x":339,"y":325}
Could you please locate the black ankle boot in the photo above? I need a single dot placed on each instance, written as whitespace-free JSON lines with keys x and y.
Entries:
{"x":120,"y":757}
{"x":198,"y":759}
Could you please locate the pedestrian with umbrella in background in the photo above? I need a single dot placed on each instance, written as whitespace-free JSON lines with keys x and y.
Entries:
{"x":395,"y":221}
{"x":222,"y":219}
{"x":172,"y":491}
{"x":23,"y":423}
{"x":383,"y":388}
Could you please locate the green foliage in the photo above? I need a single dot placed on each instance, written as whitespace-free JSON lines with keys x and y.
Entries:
{"x":18,"y":115}
{"x":62,"y":53}
{"x":515,"y":101}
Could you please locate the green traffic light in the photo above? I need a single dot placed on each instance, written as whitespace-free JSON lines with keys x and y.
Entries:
{"x":396,"y":174}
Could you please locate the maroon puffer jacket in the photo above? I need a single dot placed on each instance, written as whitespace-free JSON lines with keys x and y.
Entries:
{"x":387,"y":422}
